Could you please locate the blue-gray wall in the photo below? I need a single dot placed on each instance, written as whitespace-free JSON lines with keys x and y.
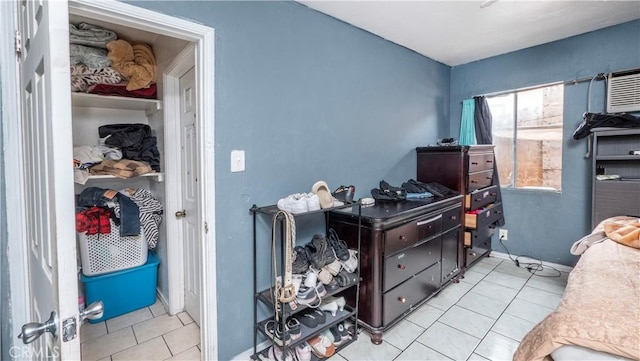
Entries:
{"x":308,"y":98}
{"x":545,"y":224}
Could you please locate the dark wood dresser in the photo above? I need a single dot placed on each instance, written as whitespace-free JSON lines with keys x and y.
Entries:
{"x":470,"y":171}
{"x":409,"y":251}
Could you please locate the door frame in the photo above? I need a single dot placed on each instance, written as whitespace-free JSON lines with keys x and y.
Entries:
{"x":143,"y":19}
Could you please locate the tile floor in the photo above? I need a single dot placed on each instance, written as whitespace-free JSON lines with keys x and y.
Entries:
{"x":484,"y":317}
{"x":146,"y":334}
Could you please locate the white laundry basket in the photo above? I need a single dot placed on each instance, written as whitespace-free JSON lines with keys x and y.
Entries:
{"x":104,"y":253}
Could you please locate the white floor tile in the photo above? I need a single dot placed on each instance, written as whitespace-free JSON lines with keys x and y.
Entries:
{"x":156,"y":327}
{"x":491,"y":261}
{"x":89,"y":331}
{"x":336,"y":357}
{"x":513,"y":327}
{"x":363,"y":349}
{"x":497,"y":347}
{"x":527,"y":310}
{"x":183,"y":338}
{"x":467,"y":321}
{"x":425,"y":316}
{"x":540,"y":297}
{"x":192,"y":354}
{"x":185,"y":318}
{"x":483,"y":268}
{"x":506,"y":280}
{"x":129,"y":319}
{"x":157,"y":308}
{"x":551,"y":284}
{"x":495,"y":291}
{"x":403,"y":334}
{"x":509,"y":268}
{"x":108,"y":344}
{"x":449,"y":341}
{"x":450,"y":295}
{"x":472,"y":277}
{"x":476,"y":357}
{"x":418,"y":352}
{"x":482,"y":305}
{"x":154,"y":349}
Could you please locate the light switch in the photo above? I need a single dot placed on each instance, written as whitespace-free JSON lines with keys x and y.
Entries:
{"x":237,"y":161}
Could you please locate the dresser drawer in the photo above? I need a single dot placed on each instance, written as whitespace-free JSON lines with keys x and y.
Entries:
{"x":410,"y":261}
{"x":484,"y":218}
{"x":451,"y":218}
{"x":479,"y":180}
{"x":477,"y":236}
{"x":402,"y":298}
{"x":480,"y":162}
{"x":474,"y":253}
{"x":407,"y":235}
{"x":480,"y":198}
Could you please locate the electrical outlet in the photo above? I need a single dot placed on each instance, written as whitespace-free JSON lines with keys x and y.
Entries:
{"x":504,"y":234}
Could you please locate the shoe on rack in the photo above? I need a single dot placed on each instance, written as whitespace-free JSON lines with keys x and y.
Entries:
{"x":310,"y":278}
{"x":334,"y":335}
{"x":300,"y":262}
{"x":274,"y":330}
{"x":275,"y":354}
{"x":344,"y":193}
{"x":313,"y":202}
{"x":332,"y":285}
{"x":321,"y":346}
{"x":319,"y":315}
{"x":319,"y":252}
{"x":294,"y":203}
{"x":325,"y":276}
{"x":303,"y":352}
{"x":340,"y":301}
{"x":295,"y":332}
{"x":308,"y":319}
{"x":338,"y":245}
{"x":321,"y":291}
{"x":349,"y":327}
{"x":344,"y":333}
{"x":351,"y":264}
{"x":306,"y":295}
{"x":333,"y":268}
{"x":331,"y":307}
{"x":322,"y":190}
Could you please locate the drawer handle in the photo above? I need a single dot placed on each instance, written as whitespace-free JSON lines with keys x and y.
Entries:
{"x":493,"y":194}
{"x":499,"y":212}
{"x":474,"y":181}
{"x":429,"y":220}
{"x":474,"y":163}
{"x":454,"y":218}
{"x":402,"y":299}
{"x":472,"y":254}
{"x":489,"y":177}
{"x":489,"y":161}
{"x":402,"y":238}
{"x":401,"y":266}
{"x":478,"y":199}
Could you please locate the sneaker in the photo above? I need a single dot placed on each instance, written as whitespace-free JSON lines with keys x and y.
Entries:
{"x":275,"y":354}
{"x":325,"y":276}
{"x":320,"y":289}
{"x":321,"y":346}
{"x":308,"y":319}
{"x":344,"y":193}
{"x":333,"y":268}
{"x":351,"y":264}
{"x":274,"y":330}
{"x":332,"y":286}
{"x":313,"y":202}
{"x":303,"y":352}
{"x":306,"y":295}
{"x":319,"y":252}
{"x":335,"y":335}
{"x":339,"y":246}
{"x":300,"y":262}
{"x":295,"y":332}
{"x":319,"y":315}
{"x":294,"y":203}
{"x":342,"y":330}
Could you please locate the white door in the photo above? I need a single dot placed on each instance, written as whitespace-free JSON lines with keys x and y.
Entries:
{"x":189,"y":162}
{"x":48,"y":175}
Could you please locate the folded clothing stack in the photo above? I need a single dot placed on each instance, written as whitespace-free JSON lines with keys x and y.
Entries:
{"x":410,"y":189}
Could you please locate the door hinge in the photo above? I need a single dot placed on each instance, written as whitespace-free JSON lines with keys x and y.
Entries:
{"x":18,"y":44}
{"x":206,"y":227}
{"x":69,"y":329}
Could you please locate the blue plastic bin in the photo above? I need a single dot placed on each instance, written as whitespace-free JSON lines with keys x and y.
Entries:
{"x":123,"y":291}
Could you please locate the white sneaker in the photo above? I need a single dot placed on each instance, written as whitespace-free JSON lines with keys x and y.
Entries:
{"x":294,"y":203}
{"x":311,"y":279}
{"x":313,"y":202}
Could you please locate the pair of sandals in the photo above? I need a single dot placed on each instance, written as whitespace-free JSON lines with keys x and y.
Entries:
{"x":292,"y":331}
{"x":387,"y":192}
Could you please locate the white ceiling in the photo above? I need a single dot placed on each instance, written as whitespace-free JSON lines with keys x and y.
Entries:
{"x":459,"y":32}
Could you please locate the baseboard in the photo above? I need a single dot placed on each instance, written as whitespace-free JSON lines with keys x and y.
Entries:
{"x":559,"y":267}
{"x":246,"y":354}
{"x":162,"y":299}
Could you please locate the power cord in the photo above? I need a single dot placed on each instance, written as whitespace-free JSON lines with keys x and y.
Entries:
{"x":532,"y":267}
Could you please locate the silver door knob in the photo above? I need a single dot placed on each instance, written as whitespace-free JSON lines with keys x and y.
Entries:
{"x":31,"y":331}
{"x":92,"y":312}
{"x":181,"y":214}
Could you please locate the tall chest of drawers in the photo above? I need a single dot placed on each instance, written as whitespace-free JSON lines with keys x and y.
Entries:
{"x":409,"y":251}
{"x":470,"y":171}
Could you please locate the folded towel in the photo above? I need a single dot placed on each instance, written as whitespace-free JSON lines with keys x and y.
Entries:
{"x":136,"y":62}
{"x":82,"y":77}
{"x":90,"y":35}
{"x":88,"y":55}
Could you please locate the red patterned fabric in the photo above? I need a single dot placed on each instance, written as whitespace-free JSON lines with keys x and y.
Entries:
{"x":121,"y":90}
{"x":93,"y":221}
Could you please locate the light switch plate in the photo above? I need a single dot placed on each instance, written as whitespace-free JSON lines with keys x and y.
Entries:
{"x":237,"y":161}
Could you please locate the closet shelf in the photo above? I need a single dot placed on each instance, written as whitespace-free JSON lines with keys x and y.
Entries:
{"x":158,"y":176}
{"x":150,"y":106}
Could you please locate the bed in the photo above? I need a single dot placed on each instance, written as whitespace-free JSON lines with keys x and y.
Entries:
{"x":599,"y":315}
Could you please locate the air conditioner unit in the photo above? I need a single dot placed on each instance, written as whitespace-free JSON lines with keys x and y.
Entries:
{"x":623,"y":91}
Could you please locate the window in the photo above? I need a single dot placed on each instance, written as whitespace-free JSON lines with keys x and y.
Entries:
{"x":527,"y":134}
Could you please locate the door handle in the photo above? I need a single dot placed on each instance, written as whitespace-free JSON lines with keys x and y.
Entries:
{"x":31,"y":331}
{"x":92,"y":312}
{"x":181,"y":214}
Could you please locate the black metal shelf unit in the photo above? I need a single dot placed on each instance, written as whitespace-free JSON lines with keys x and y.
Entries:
{"x":266,"y":296}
